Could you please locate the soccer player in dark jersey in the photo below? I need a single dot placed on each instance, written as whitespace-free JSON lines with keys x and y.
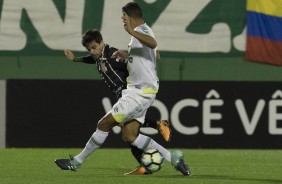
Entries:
{"x":114,"y":73}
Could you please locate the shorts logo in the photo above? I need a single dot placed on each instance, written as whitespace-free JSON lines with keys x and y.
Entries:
{"x":137,"y":86}
{"x":121,"y":107}
{"x":115,"y":109}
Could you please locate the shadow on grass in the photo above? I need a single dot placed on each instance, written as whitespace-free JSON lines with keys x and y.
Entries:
{"x":233,"y":178}
{"x":119,"y":174}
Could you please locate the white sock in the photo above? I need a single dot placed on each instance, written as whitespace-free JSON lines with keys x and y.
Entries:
{"x":96,"y":141}
{"x":144,"y":142}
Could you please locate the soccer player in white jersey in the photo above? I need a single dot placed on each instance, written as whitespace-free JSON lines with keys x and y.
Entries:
{"x":131,"y":108}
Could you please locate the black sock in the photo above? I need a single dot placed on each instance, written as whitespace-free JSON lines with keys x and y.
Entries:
{"x":137,"y":153}
{"x":150,"y":123}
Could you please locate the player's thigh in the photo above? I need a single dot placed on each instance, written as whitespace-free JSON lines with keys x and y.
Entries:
{"x":130,"y":130}
{"x":107,"y":122}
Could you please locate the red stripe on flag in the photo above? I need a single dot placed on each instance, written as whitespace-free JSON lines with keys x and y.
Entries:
{"x":264,"y":50}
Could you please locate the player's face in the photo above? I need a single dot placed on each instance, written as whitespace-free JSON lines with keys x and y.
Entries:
{"x":95,"y":49}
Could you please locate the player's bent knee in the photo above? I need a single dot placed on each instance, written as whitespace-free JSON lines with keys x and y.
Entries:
{"x":104,"y":125}
{"x":129,"y":138}
{"x":101,"y":126}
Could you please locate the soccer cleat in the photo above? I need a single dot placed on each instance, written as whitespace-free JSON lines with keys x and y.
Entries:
{"x":140,"y":170}
{"x":177,"y":160}
{"x":164,"y":129}
{"x":68,"y":164}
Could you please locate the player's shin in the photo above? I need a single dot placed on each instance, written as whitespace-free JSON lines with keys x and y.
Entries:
{"x":144,"y":142}
{"x":96,"y":141}
{"x":136,"y":152}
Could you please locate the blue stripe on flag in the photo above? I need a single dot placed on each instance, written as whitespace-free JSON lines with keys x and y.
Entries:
{"x":264,"y":26}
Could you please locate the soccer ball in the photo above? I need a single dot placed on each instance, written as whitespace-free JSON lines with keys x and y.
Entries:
{"x":152,"y":160}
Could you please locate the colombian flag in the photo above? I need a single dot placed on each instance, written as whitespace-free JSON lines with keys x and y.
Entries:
{"x":264,"y":31}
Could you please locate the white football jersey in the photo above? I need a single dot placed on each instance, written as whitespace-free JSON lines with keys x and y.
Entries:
{"x":142,"y":64}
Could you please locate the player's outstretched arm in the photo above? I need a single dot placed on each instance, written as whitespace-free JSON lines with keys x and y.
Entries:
{"x":84,"y":59}
{"x":143,"y":38}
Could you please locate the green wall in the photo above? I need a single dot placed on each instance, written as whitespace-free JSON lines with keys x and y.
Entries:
{"x":169,"y":68}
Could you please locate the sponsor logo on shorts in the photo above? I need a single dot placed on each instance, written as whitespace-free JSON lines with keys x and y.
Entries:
{"x":116,"y":109}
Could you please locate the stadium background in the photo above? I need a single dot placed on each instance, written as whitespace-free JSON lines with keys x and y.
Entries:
{"x":213,"y":97}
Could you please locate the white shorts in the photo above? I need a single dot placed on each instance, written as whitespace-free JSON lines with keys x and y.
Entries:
{"x":132,"y":105}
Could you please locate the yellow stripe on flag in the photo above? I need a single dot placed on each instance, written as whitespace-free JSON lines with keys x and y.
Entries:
{"x":269,"y":7}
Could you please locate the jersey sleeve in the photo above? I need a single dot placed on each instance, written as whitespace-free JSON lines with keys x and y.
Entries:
{"x":144,"y":29}
{"x":87,"y":59}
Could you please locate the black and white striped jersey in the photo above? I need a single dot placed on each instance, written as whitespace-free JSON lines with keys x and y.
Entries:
{"x":113,"y":72}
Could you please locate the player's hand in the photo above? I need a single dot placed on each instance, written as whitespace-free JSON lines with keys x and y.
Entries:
{"x":119,"y":54}
{"x":127,"y":24}
{"x":69,"y":54}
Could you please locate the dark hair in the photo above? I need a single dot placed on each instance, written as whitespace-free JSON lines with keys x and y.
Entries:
{"x":133,"y":10}
{"x":91,"y":35}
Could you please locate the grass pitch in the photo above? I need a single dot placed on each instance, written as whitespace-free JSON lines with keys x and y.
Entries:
{"x":36,"y":166}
